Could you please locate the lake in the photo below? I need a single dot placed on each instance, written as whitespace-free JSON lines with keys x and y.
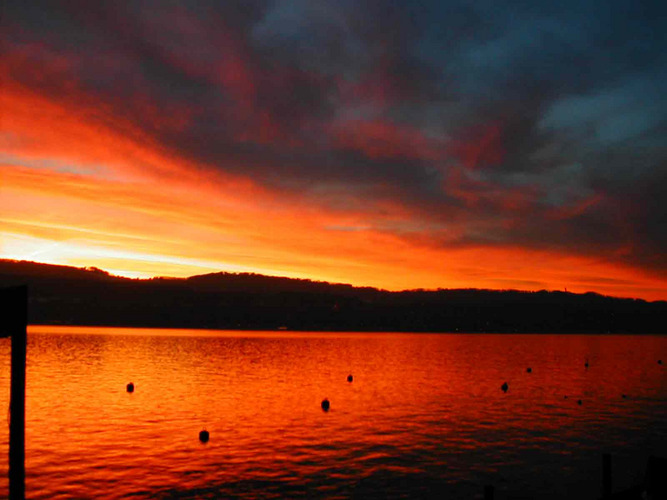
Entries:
{"x":424,"y":416}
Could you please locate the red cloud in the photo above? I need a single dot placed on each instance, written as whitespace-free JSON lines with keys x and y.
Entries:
{"x":377,"y":139}
{"x":480,"y":146}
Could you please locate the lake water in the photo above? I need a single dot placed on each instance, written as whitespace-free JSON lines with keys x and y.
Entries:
{"x":423,"y":418}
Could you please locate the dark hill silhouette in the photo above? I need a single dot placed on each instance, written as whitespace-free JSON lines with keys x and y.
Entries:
{"x":69,"y":295}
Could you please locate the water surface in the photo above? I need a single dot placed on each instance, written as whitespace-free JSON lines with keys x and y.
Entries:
{"x":424,"y":416}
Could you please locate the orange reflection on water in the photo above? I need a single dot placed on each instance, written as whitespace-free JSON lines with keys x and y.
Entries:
{"x":423,"y":412}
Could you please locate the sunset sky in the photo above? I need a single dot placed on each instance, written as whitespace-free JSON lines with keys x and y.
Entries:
{"x":394,"y":144}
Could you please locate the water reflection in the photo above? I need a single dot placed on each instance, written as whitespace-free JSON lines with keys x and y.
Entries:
{"x":424,"y":413}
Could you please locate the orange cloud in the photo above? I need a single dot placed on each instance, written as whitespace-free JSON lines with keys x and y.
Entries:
{"x":83,"y":186}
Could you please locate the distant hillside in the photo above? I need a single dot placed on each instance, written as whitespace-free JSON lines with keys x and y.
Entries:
{"x":68,"y":295}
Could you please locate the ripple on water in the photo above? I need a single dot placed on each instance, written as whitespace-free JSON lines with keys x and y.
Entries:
{"x":424,"y":415}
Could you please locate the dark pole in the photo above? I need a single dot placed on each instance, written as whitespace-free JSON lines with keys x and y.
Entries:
{"x":16,"y":302}
{"x":488,"y":492}
{"x":606,"y":475}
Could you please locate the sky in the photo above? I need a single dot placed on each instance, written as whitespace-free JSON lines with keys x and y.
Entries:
{"x":395,"y":144}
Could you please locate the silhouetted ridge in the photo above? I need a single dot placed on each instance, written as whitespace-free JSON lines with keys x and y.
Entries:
{"x":68,"y":295}
{"x":250,"y":282}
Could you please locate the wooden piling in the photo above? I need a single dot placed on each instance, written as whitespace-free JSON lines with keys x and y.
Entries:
{"x":606,"y":475}
{"x":15,"y":324}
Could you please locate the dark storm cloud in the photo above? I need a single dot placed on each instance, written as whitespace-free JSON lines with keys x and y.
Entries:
{"x":540,"y":125}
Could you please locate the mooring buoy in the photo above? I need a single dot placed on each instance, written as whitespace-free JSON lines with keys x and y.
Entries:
{"x":325,"y":404}
{"x":129,"y":387}
{"x":504,"y":387}
{"x":203,"y":436}
{"x":529,"y":370}
{"x":350,"y":378}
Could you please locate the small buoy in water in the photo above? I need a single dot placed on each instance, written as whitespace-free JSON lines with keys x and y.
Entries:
{"x":529,"y":370}
{"x":350,"y":378}
{"x":623,"y":396}
{"x":325,"y":404}
{"x":579,"y":402}
{"x":565,"y":397}
{"x":129,"y":387}
{"x":504,"y":387}
{"x":660,"y":361}
{"x":203,"y":436}
{"x":586,"y":364}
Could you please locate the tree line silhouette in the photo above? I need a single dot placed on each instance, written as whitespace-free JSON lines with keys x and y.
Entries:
{"x":90,"y":296}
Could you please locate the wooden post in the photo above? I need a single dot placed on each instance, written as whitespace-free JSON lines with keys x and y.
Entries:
{"x":15,"y":301}
{"x":606,"y":475}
